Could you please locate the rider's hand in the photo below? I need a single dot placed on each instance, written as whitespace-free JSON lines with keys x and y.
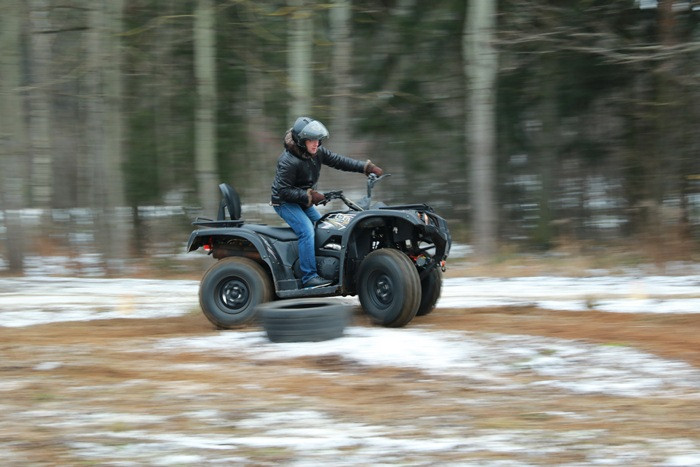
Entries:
{"x":316,"y":197}
{"x":373,"y":169}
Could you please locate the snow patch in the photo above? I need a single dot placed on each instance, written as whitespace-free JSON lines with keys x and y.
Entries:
{"x":621,"y":294}
{"x":489,"y":360}
{"x":46,"y":299}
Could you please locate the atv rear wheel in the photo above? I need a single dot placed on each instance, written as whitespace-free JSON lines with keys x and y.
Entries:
{"x":389,"y":287}
{"x":231,"y":290}
{"x":431,"y":286}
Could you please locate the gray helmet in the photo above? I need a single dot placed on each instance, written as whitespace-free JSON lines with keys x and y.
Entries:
{"x":306,"y":128}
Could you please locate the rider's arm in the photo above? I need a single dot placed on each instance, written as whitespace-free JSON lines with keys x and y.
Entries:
{"x":341,"y":162}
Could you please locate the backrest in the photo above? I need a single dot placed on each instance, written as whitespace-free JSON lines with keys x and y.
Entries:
{"x":229,"y":200}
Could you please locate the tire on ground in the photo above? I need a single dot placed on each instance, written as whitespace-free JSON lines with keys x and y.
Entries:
{"x":431,"y":286}
{"x":231,"y":290}
{"x":304,"y":320}
{"x":389,"y":287}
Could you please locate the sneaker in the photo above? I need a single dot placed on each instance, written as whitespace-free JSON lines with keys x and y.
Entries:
{"x":316,"y":282}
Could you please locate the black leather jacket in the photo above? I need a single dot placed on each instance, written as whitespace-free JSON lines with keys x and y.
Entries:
{"x":298,"y":172}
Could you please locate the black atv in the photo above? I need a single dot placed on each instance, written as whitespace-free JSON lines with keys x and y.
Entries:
{"x":392,"y":257}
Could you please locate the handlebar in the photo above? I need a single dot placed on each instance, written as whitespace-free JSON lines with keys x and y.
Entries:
{"x":338,"y":194}
{"x":372,"y":179}
{"x":331,"y":195}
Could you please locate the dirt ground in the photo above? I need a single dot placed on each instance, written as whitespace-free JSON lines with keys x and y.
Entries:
{"x":101,"y":392}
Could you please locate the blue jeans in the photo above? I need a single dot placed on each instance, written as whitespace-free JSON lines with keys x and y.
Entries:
{"x":302,"y":220}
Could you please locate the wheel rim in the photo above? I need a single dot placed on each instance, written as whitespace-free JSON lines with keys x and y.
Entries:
{"x":233,"y":294}
{"x":381,"y":289}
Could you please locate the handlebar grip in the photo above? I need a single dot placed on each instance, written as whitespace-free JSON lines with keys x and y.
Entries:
{"x":332,"y":194}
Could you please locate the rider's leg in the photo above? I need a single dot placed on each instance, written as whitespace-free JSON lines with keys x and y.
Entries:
{"x":312,"y":213}
{"x":300,"y":221}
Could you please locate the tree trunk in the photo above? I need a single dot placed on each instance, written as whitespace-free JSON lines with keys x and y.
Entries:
{"x":114,"y":94}
{"x":40,"y":105}
{"x":300,"y":59}
{"x":669,"y":152}
{"x":480,"y":62}
{"x":105,"y":130}
{"x":547,"y":148}
{"x":340,"y":127}
{"x":95,"y":109}
{"x":340,"y":29}
{"x":163,"y":67}
{"x":12,"y":135}
{"x":205,"y":125}
{"x":262,"y":146}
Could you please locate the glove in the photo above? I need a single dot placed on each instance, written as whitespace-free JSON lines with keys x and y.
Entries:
{"x":373,"y":169}
{"x":316,"y":197}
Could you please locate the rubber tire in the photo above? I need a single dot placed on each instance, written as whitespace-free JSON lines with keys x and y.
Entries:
{"x":394,"y":271}
{"x":304,"y":320}
{"x":431,"y":286}
{"x":241,"y":276}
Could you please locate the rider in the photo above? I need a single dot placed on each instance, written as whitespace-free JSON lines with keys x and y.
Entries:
{"x":294,"y":188}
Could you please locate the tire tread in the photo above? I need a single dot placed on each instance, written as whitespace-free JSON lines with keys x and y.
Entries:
{"x":221,"y":319}
{"x":411,"y":285}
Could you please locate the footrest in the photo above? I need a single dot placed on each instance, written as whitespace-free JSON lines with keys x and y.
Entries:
{"x":318,"y":292}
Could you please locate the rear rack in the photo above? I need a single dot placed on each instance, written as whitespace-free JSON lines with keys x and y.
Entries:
{"x":222,"y":223}
{"x":419,"y":207}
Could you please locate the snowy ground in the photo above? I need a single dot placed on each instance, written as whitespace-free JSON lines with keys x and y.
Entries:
{"x":43,"y":299}
{"x":470,"y":397}
{"x":638,"y":294}
{"x":46,"y":299}
{"x":490,"y":359}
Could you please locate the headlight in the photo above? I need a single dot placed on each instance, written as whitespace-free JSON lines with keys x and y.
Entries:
{"x":423,"y":217}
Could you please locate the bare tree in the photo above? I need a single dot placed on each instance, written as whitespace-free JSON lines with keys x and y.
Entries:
{"x":300,"y":58}
{"x":666,"y":178}
{"x":480,"y":62}
{"x":647,"y":64}
{"x":12,"y":133}
{"x":114,"y":96}
{"x":40,"y":104}
{"x":262,"y":145}
{"x":105,"y":128}
{"x":205,"y":125}
{"x":340,"y":28}
{"x":163,"y":94}
{"x":547,"y":141}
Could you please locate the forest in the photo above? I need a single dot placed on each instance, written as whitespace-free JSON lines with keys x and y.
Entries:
{"x":528,"y":124}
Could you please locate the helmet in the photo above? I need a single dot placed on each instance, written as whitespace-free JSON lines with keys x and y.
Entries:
{"x":306,"y":128}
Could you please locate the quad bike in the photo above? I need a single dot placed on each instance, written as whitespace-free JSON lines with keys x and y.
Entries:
{"x":392,"y":257}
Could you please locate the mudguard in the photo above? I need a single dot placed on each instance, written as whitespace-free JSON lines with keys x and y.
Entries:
{"x":267,"y":252}
{"x":430,"y":227}
{"x":439,"y":237}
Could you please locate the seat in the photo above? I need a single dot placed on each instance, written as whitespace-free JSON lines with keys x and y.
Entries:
{"x":229,"y":201}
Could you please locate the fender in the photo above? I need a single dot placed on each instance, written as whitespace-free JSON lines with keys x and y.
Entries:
{"x":441,"y":241}
{"x":267,"y":252}
{"x":376,"y":219}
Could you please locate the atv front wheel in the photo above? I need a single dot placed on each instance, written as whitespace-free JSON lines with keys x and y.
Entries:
{"x":389,"y":287}
{"x":231,"y":290}
{"x":431,"y":286}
